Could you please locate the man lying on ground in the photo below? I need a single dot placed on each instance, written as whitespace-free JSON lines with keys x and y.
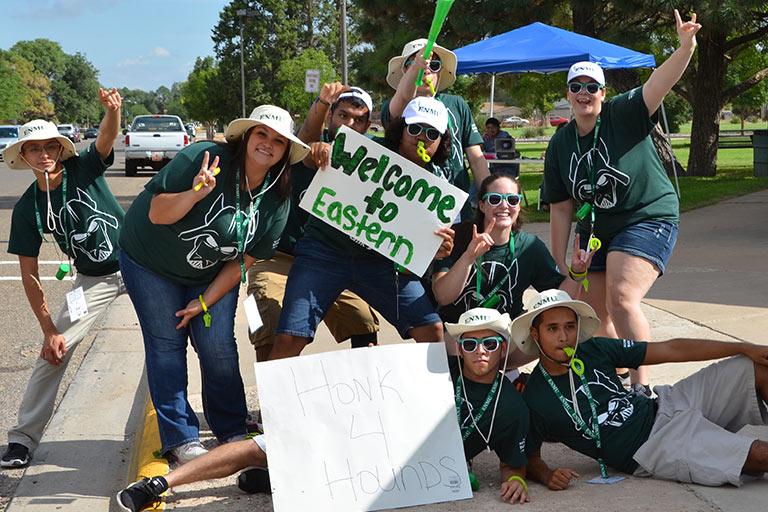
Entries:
{"x":687,"y":434}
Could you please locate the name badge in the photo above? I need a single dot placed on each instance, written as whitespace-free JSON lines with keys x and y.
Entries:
{"x":76,"y":304}
{"x":252,"y":314}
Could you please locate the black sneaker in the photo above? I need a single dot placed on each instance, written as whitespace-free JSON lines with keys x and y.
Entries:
{"x":16,"y":456}
{"x":140,"y":494}
{"x":254,"y":480}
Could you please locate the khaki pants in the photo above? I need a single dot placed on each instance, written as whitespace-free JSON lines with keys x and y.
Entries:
{"x":349,"y":316}
{"x":40,"y":397}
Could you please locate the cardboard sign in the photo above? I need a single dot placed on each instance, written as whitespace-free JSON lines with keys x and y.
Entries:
{"x":383,"y":200}
{"x":362,"y":429}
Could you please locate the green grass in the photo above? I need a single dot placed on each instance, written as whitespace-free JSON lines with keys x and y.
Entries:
{"x":727,"y":126}
{"x":735,"y":177}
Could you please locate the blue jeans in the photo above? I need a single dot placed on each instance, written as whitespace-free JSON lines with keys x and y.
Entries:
{"x":320,"y":273}
{"x":156,"y":301}
{"x":651,"y":240}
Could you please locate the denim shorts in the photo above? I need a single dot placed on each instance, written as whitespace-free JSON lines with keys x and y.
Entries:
{"x":320,"y":273}
{"x":651,"y":240}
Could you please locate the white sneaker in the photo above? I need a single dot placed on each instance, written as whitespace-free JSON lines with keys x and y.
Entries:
{"x":186,"y":452}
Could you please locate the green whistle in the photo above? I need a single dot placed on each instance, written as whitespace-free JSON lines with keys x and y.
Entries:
{"x":473,"y":482}
{"x":585,"y":210}
{"x":491,"y":301}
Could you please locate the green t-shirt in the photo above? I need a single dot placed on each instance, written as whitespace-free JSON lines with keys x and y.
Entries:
{"x":631,"y":183}
{"x":338,"y":239}
{"x":192,"y":250}
{"x":510,"y":425}
{"x":93,"y":216}
{"x":464,"y":134}
{"x":625,"y":418}
{"x":532,"y":266}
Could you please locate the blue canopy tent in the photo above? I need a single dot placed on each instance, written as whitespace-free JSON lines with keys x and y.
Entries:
{"x":540,"y":48}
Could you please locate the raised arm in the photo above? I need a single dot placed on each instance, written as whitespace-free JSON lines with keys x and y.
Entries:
{"x":680,"y":350}
{"x":171,"y":207}
{"x":406,"y":89}
{"x":110,"y":125}
{"x":447,"y":286}
{"x":54,"y":345}
{"x":312,"y":128}
{"x":665,"y":76}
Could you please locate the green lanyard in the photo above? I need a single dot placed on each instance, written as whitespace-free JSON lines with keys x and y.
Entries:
{"x":476,"y":419}
{"x":491,"y":299}
{"x":241,"y":227}
{"x":594,"y":432}
{"x":588,"y":208}
{"x":63,"y":212}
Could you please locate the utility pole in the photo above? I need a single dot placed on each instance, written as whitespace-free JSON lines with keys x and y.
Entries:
{"x":243,"y":13}
{"x":343,"y":27}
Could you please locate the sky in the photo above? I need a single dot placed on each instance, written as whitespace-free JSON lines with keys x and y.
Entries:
{"x":139,"y":44}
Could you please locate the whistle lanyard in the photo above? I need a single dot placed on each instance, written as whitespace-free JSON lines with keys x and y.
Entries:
{"x":242,"y":227}
{"x":593,"y":432}
{"x":590,"y":176}
{"x":483,"y":301}
{"x":475,"y":419}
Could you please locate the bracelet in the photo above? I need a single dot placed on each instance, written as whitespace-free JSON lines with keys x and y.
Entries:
{"x":320,"y":100}
{"x":519,"y":479}
{"x":577,"y":277}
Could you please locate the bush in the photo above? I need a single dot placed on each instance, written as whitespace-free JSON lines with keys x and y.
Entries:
{"x":735,"y":120}
{"x":530,"y":132}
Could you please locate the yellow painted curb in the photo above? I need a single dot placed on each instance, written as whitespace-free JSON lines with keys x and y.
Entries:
{"x":143,"y":462}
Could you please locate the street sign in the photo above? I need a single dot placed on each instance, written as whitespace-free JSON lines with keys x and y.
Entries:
{"x":312,"y":80}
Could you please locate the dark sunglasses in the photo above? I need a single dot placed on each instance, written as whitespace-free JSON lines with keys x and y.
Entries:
{"x":494,"y":198}
{"x":591,"y":87}
{"x":490,"y":343}
{"x":434,"y":65}
{"x":414,"y":130}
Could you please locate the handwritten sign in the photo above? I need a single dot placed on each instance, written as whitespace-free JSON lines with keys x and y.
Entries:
{"x":362,"y":429}
{"x":383,"y":200}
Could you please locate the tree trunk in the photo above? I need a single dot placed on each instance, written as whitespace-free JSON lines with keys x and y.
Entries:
{"x":706,"y":99}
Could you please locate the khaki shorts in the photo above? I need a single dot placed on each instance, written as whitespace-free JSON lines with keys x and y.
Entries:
{"x":694,"y":438}
{"x":349,"y":316}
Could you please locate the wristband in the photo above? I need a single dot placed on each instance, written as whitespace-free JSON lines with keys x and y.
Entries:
{"x":577,"y":277}
{"x":319,"y":100}
{"x":207,"y":315}
{"x":519,"y":479}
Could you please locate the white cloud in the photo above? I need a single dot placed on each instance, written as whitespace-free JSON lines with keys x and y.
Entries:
{"x":159,"y":51}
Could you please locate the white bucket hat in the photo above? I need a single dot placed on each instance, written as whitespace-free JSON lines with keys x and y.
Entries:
{"x":36,"y":130}
{"x":275,"y":118}
{"x":447,"y":73}
{"x":479,"y":319}
{"x":587,"y":68}
{"x":427,"y":110}
{"x":548,"y":299}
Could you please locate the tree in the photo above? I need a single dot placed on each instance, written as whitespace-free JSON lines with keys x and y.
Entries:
{"x":11,"y":90}
{"x":748,"y":102}
{"x":76,"y":93}
{"x":280,"y":31}
{"x":292,"y":73}
{"x":36,"y":89}
{"x":199,"y":94}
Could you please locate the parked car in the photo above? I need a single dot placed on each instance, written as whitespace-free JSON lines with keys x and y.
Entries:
{"x":516,"y":121}
{"x":91,"y":133}
{"x":70,"y":131}
{"x":9,"y":134}
{"x":153,"y":141}
{"x":191,"y":131}
{"x":555,"y":120}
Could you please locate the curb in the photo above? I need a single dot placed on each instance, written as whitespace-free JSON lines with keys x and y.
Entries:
{"x":143,"y":461}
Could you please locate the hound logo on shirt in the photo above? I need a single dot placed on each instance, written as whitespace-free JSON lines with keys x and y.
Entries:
{"x":496,"y":271}
{"x":95,"y":242}
{"x":610,"y":183}
{"x":207,"y":245}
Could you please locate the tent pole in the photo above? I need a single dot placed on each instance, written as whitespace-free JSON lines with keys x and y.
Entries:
{"x":672,"y":151}
{"x":493,"y":86}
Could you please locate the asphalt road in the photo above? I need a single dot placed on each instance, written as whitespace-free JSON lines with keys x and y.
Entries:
{"x":21,"y":336}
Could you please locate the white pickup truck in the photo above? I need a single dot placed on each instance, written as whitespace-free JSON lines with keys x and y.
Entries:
{"x":153,"y":141}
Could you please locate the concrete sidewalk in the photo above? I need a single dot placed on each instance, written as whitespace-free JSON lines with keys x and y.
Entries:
{"x":715,"y":287}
